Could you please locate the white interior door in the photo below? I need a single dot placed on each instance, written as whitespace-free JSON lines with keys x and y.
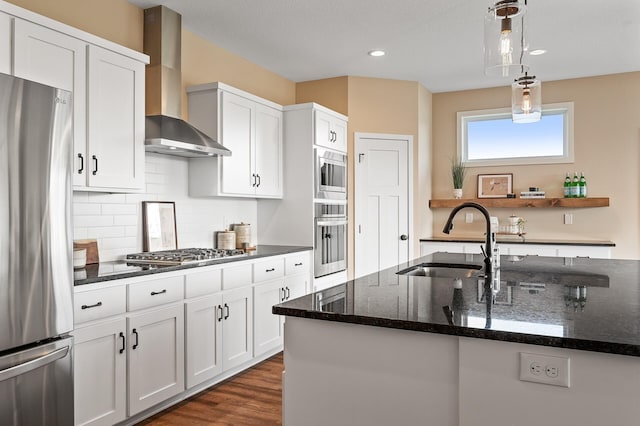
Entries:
{"x":382,"y":201}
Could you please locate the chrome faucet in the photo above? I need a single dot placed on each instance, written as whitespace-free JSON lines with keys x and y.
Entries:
{"x":490,"y":251}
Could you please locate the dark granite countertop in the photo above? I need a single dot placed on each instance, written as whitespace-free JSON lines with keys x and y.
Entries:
{"x":575,"y":303}
{"x":107,"y":271}
{"x":515,"y":239}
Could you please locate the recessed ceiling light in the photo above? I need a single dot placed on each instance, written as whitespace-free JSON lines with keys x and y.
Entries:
{"x":538,"y":52}
{"x":377,"y":53}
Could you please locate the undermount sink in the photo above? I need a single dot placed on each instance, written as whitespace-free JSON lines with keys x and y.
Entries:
{"x":443,"y":270}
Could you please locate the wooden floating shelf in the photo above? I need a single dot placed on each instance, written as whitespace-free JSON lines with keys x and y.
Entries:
{"x":573,"y":203}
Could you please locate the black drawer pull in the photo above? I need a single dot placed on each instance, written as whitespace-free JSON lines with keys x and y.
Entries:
{"x":81,"y":163}
{"x":91,"y":306}
{"x":228,"y":311}
{"x":288,"y":293}
{"x":282,"y":294}
{"x":220,"y":313}
{"x":136,"y":333}
{"x":123,"y":342}
{"x":95,"y":162}
{"x":270,"y":270}
{"x":297,"y":264}
{"x":153,"y":293}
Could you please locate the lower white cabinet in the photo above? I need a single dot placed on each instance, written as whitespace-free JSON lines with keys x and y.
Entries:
{"x":237,"y":327}
{"x":156,"y":356}
{"x":203,"y":339}
{"x":519,"y":249}
{"x":100,"y":373}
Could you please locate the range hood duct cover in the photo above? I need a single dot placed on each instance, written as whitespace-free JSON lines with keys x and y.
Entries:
{"x":165,"y":132}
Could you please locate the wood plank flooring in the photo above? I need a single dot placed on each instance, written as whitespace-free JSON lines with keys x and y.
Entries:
{"x":253,"y":397}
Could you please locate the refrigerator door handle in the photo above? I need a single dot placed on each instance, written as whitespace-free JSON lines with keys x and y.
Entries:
{"x":23,"y":368}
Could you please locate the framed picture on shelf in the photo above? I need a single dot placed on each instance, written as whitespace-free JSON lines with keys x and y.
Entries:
{"x":495,"y":186}
{"x":159,"y":226}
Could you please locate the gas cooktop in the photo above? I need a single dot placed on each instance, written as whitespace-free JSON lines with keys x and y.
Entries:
{"x":181,"y":256}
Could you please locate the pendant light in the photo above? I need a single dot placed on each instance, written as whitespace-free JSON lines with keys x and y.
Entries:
{"x":504,"y":38}
{"x":526,"y":99}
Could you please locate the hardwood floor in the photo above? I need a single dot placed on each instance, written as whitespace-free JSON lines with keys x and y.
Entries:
{"x":253,"y":397}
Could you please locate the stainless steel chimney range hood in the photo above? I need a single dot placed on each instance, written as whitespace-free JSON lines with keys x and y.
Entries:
{"x":165,"y":132}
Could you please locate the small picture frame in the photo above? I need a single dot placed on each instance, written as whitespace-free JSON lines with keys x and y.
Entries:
{"x":159,"y":226}
{"x":495,"y":186}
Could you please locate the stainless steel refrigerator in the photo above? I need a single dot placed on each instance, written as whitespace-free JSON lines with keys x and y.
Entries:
{"x":36,"y":273}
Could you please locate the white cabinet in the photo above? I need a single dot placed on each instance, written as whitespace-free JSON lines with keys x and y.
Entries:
{"x":203,"y":342}
{"x":237,"y":327}
{"x":330,"y":131}
{"x":5,"y":43}
{"x":268,"y":333}
{"x":156,"y":356}
{"x":55,"y":59}
{"x":251,"y":128}
{"x":100,"y":368}
{"x":115,"y":145}
{"x":560,"y":250}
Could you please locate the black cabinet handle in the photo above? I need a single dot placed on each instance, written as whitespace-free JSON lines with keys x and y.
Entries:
{"x":283,"y":295}
{"x":288,"y":293}
{"x":219,"y":313}
{"x":123,"y":342}
{"x":228,"y":311}
{"x":91,"y":306}
{"x":254,"y":180}
{"x":259,"y":180}
{"x":81,"y":163}
{"x":297,"y":264}
{"x":95,"y":163}
{"x":153,"y":293}
{"x":135,"y":344}
{"x":270,"y":270}
{"x":403,"y":237}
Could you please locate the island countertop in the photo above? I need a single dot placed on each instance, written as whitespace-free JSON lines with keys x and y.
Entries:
{"x":574,"y":303}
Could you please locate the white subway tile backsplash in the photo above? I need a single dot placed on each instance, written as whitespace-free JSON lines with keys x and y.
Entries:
{"x":115,"y":220}
{"x":120,"y":209}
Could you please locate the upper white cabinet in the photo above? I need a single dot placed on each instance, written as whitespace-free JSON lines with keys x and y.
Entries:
{"x":107,"y":84}
{"x":251,"y":128}
{"x":55,"y":59}
{"x":115,"y":143}
{"x":5,"y":43}
{"x":330,"y":130}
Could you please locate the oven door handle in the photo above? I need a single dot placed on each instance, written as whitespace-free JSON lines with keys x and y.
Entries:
{"x":331,"y":222}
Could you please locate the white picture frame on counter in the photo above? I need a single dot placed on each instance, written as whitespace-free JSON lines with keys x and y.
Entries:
{"x":159,"y":226}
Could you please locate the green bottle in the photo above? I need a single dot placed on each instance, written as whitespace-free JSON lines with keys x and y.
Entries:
{"x":582,"y":186}
{"x":575,"y":186}
{"x":567,"y":186}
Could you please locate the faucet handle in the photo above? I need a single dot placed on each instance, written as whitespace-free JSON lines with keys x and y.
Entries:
{"x":484,"y":252}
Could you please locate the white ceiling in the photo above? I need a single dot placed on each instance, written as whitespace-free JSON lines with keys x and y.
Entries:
{"x":436,"y":42}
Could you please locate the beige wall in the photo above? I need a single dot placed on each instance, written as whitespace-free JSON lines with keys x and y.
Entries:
{"x":607,"y":129}
{"x":331,"y":92}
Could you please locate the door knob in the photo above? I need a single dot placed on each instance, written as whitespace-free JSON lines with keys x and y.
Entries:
{"x":403,"y":237}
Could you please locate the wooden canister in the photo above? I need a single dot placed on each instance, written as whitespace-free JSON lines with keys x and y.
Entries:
{"x":243,"y":235}
{"x":226,"y":240}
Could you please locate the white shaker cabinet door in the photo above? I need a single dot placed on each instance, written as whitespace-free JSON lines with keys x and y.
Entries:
{"x":266,"y":326}
{"x":237,"y":134}
{"x":156,"y":356}
{"x":204,"y":339}
{"x":5,"y":43}
{"x":268,"y":152}
{"x":323,"y":136}
{"x":339,"y":128}
{"x":237,"y":327}
{"x":116,"y":120}
{"x":52,"y":58}
{"x":100,"y":373}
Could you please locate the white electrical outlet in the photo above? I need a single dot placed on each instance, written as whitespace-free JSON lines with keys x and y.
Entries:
{"x":468,"y":218}
{"x":549,"y":370}
{"x":568,"y":219}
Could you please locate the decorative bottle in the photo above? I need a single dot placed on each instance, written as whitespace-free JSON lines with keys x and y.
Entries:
{"x":582,"y":186}
{"x":567,"y":186}
{"x":575,"y":186}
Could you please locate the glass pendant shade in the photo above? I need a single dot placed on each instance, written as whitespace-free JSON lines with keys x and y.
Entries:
{"x":505,"y":47}
{"x":526,"y":99}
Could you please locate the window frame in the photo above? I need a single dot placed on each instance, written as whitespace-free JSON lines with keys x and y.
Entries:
{"x":564,"y":108}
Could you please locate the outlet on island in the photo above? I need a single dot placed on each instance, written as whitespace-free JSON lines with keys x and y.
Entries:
{"x":545,"y":369}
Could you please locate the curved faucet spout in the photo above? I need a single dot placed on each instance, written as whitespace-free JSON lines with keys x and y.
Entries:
{"x":490,"y":236}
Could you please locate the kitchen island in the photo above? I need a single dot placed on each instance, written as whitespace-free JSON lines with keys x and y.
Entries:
{"x":444,"y":348}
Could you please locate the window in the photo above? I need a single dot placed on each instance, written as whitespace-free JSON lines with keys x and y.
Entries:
{"x":489,"y":137}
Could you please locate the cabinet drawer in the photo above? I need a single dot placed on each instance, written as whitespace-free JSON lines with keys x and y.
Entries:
{"x":236,"y":276}
{"x":96,"y":304}
{"x":157,"y":292}
{"x":297,"y":263}
{"x":268,"y":269}
{"x":201,"y":283}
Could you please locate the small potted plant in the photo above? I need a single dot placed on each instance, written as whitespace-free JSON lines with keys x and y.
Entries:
{"x":458,"y":171}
